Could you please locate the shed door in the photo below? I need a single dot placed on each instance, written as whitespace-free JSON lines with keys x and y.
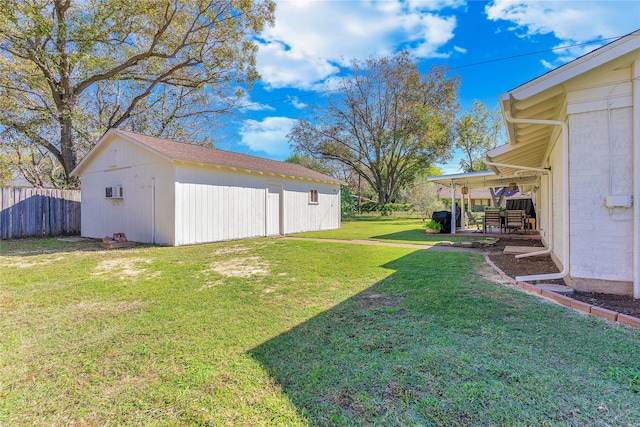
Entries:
{"x":274,"y":204}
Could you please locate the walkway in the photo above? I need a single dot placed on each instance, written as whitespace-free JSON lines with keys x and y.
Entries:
{"x":435,"y":247}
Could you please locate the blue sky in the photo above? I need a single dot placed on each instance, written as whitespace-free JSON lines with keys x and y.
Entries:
{"x":302,"y":55}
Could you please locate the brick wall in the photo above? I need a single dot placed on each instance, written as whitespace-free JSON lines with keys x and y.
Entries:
{"x":601,"y":164}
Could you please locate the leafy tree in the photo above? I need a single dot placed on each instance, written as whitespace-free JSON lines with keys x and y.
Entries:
{"x":5,"y":171}
{"x":71,"y":69}
{"x":477,"y":132}
{"x":424,"y":197}
{"x":387,"y":123}
{"x":347,"y":203}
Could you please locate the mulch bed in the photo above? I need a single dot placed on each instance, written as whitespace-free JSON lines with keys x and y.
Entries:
{"x":543,"y":264}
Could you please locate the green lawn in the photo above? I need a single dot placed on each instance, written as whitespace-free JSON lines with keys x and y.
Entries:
{"x":279,"y":332}
{"x":389,"y":229}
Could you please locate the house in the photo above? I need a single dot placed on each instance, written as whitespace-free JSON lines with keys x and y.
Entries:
{"x":171,"y":193}
{"x":574,"y":141}
{"x":476,"y":197}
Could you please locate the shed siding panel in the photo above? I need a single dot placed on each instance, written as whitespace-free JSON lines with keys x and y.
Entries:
{"x":217,"y":204}
{"x":134,"y":169}
{"x":301,"y":215}
{"x":233,"y":205}
{"x":601,"y":238}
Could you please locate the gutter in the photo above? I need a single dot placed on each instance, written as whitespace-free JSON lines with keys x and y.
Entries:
{"x":565,"y":193}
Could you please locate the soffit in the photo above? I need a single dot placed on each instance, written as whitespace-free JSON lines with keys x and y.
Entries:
{"x":528,"y":143}
{"x":485,"y":179}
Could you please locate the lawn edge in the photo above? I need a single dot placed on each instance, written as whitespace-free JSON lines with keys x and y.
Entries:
{"x":568,"y":302}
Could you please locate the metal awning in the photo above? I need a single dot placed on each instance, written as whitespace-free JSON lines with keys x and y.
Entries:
{"x":486,"y":179}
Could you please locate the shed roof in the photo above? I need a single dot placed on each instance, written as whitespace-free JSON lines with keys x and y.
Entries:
{"x":191,"y":153}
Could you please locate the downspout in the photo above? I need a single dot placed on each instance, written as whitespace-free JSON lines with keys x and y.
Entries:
{"x":565,"y":194}
{"x":636,"y":179}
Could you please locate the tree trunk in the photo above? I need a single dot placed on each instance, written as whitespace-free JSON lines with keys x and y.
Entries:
{"x":67,"y":148}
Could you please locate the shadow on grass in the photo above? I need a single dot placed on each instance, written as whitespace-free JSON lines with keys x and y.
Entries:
{"x":50,"y":245}
{"x":352,"y":363}
{"x":435,"y":345}
{"x":419,"y":235}
{"x":381,"y":218}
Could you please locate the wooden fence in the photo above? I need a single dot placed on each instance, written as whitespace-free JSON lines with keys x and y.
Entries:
{"x":33,"y":212}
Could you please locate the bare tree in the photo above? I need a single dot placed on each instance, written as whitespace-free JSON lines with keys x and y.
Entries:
{"x":387,"y":124}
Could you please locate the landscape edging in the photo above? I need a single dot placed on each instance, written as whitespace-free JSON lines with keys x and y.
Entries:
{"x":582,"y":307}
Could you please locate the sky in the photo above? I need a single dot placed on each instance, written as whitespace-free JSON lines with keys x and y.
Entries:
{"x":493,"y":46}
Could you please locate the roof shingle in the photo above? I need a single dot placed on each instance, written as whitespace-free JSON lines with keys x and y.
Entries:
{"x":212,"y":156}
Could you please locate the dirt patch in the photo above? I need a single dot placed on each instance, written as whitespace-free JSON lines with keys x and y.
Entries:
{"x":121,"y":267}
{"x":371,"y":299}
{"x":241,"y":267}
{"x":543,"y":264}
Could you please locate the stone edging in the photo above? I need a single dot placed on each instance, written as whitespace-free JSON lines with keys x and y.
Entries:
{"x":603,"y":313}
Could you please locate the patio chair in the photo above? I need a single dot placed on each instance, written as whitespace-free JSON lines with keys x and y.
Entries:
{"x":492,"y":219}
{"x":472,"y":221}
{"x":514,"y":220}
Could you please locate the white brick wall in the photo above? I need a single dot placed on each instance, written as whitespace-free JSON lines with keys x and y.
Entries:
{"x":601,"y":239}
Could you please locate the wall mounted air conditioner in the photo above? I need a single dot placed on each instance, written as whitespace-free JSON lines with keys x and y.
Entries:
{"x":114,"y":192}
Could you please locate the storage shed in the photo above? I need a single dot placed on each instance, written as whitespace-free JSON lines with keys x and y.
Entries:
{"x":171,"y":193}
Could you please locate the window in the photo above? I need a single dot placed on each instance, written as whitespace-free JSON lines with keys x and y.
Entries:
{"x":313,"y":196}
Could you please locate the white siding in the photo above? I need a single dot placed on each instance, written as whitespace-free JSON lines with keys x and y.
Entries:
{"x":274,"y":218}
{"x":135,"y":169}
{"x":557,"y":221}
{"x":217,"y":204}
{"x":543,"y":209}
{"x":301,"y":215}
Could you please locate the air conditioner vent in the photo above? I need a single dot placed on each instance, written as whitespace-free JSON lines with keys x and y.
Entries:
{"x":115,"y":192}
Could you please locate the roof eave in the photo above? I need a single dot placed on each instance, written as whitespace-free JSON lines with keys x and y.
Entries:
{"x":576,"y":67}
{"x":259,"y":172}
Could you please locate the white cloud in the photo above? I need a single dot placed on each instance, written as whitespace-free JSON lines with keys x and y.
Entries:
{"x":460,"y":49}
{"x":546,"y":64}
{"x":312,"y":38}
{"x":246,"y":104}
{"x":296,"y":103}
{"x":435,"y":4}
{"x":268,"y":136}
{"x":571,"y":22}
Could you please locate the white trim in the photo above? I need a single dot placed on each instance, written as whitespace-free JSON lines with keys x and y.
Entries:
{"x":578,"y":66}
{"x":599,"y":104}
